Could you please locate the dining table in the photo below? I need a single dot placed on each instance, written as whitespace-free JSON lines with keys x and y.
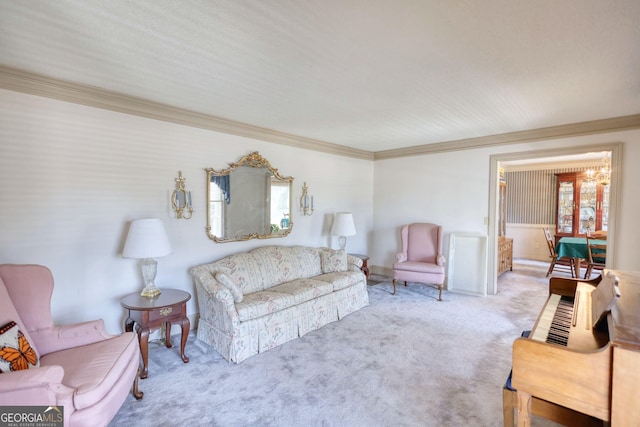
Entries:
{"x":576,"y":248}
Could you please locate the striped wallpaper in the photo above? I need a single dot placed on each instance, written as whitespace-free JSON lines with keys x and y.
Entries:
{"x":531,"y":195}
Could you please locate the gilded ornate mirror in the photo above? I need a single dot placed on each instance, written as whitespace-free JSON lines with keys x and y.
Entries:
{"x":248,"y":200}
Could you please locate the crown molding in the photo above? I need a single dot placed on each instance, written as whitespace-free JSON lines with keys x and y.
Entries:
{"x":614,"y":124}
{"x":573,"y":164}
{"x":34,"y":84}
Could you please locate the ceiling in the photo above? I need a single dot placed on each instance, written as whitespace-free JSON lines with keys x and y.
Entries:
{"x":372,"y":75}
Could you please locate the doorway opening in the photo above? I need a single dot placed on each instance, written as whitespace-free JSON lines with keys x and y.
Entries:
{"x":548,"y":156}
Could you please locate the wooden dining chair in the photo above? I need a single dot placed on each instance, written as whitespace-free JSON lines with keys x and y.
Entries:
{"x":600,"y":234}
{"x":566,"y":264}
{"x":597,"y":253}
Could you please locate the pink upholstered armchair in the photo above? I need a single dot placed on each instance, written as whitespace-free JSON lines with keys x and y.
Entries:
{"x":421,"y":259}
{"x":79,"y":367}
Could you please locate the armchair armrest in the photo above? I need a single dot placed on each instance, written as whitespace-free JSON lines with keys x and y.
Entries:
{"x":36,"y":386}
{"x":354,"y":263}
{"x":440,"y":260}
{"x":215,"y":288}
{"x":68,"y":336}
{"x":216,"y":303}
{"x":401,"y":257}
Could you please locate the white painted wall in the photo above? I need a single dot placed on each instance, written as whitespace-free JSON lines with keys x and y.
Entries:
{"x":73,"y":177}
{"x":529,"y":241}
{"x":452,"y":189}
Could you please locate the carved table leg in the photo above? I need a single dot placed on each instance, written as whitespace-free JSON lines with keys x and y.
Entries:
{"x":128,"y":324}
{"x":143,"y":337}
{"x":186,"y":325}
{"x":137,"y":393}
{"x":365,"y":269}
{"x":167,"y":334}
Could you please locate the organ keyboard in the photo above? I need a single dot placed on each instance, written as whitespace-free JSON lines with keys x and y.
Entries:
{"x":569,"y":361}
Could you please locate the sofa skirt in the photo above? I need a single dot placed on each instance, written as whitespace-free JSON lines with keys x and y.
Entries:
{"x":264,"y":333}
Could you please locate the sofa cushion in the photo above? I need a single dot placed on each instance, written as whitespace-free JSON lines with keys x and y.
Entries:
{"x":243,"y":269}
{"x":16,"y":352}
{"x":267,"y":266}
{"x":333,"y":260}
{"x":280,"y":297}
{"x":258,"y":304}
{"x":278,"y":264}
{"x":342,"y":279}
{"x":225,"y":280}
{"x":281,"y":264}
{"x":93,"y":369}
{"x":303,"y":290}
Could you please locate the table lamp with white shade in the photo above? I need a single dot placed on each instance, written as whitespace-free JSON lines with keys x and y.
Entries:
{"x":147,"y":239}
{"x":343,"y":226}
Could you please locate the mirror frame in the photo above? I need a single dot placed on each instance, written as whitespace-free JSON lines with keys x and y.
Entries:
{"x":254,"y":160}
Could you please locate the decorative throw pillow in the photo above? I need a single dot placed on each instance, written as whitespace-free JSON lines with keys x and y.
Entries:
{"x":333,"y":260}
{"x":16,"y":352}
{"x":226,"y":281}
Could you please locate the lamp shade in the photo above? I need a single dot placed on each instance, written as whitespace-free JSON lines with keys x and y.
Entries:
{"x":343,"y":225}
{"x":147,"y":238}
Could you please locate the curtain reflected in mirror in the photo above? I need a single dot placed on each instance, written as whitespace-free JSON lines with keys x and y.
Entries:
{"x":248,"y":200}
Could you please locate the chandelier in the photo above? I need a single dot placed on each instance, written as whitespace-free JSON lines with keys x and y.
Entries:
{"x":603,"y":176}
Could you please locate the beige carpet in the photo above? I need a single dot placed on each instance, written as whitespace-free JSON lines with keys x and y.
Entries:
{"x":405,"y":360}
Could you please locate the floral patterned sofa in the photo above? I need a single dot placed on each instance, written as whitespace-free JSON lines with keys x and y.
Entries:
{"x":253,"y":301}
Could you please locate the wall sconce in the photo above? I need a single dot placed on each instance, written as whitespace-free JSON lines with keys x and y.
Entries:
{"x":181,"y":199}
{"x":306,"y":201}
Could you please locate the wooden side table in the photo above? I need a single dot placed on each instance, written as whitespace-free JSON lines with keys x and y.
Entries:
{"x":149,"y":314}
{"x":365,"y":267}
